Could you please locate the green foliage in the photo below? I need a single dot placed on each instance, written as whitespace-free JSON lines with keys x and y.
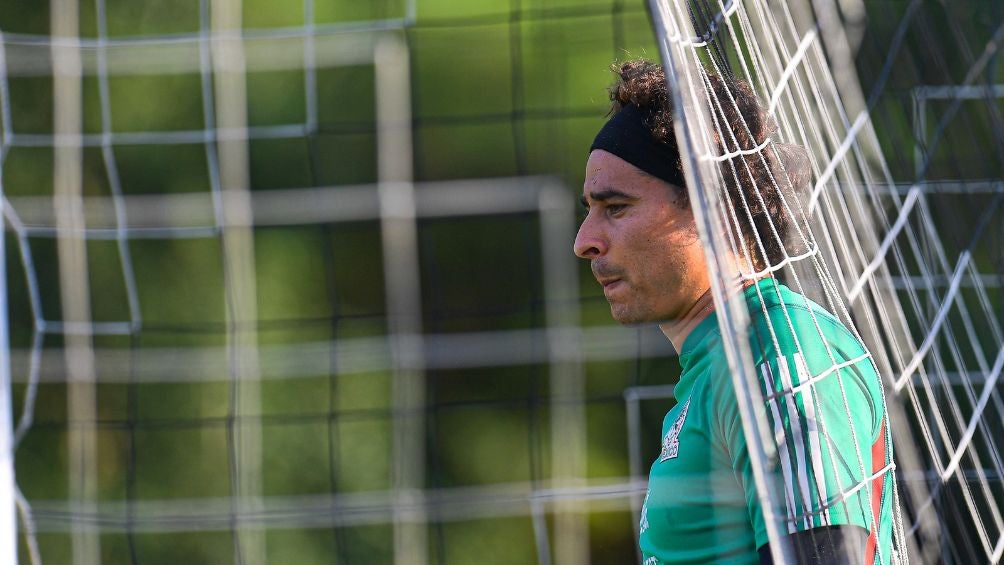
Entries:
{"x":493,"y":542}
{"x":477,"y":445}
{"x":353,"y":11}
{"x":143,"y":103}
{"x":151,"y":17}
{"x":180,"y":281}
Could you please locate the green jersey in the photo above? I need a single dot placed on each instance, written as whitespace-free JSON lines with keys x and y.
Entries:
{"x":824,"y":403}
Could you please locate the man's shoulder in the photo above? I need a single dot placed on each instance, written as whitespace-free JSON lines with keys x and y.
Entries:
{"x":785,"y":322}
{"x":800,"y":340}
{"x":786,"y":328}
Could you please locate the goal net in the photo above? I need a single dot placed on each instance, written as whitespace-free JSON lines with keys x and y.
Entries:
{"x":292,"y":281}
{"x":868,"y":250}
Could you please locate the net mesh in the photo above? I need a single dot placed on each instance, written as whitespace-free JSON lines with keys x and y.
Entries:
{"x":860,"y":233}
{"x":246,"y":326}
{"x":801,"y":404}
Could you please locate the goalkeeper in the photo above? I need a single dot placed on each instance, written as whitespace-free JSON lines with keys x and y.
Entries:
{"x":831,"y":466}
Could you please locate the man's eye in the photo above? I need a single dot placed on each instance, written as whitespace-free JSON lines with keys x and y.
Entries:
{"x":616,"y":208}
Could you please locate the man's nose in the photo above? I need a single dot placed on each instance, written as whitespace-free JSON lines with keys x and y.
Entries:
{"x":589,"y":243}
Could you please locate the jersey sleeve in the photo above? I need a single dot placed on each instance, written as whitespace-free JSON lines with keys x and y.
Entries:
{"x":823,"y":423}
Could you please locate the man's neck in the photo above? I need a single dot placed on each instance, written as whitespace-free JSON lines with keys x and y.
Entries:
{"x":676,"y":331}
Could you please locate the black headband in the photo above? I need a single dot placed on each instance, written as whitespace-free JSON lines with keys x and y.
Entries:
{"x":626,"y":136}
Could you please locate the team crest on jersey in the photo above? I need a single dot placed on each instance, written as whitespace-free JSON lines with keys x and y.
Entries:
{"x":671,"y":443}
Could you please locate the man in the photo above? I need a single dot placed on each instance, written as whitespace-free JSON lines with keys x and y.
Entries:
{"x":832,"y":463}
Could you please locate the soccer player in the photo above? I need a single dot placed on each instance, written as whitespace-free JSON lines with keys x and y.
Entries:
{"x":823,"y":399}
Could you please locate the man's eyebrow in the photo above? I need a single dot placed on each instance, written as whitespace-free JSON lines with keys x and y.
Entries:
{"x":605,"y":194}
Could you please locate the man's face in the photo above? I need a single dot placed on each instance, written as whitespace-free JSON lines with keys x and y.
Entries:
{"x":642,"y":245}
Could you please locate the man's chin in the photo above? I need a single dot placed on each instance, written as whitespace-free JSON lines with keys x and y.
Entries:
{"x":627,"y":316}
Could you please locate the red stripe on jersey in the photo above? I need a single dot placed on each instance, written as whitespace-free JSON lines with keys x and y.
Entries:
{"x":878,"y":461}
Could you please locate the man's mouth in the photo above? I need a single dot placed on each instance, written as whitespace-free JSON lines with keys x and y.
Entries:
{"x":608,"y":277}
{"x":609,"y":285}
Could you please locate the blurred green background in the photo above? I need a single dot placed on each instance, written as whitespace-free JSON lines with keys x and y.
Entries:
{"x":499,"y":88}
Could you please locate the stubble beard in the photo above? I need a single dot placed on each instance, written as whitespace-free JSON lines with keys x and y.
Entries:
{"x":631,"y":313}
{"x":623,"y":315}
{"x":631,"y":308}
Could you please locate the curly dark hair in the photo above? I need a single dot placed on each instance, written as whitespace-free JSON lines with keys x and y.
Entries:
{"x":773,"y":173}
